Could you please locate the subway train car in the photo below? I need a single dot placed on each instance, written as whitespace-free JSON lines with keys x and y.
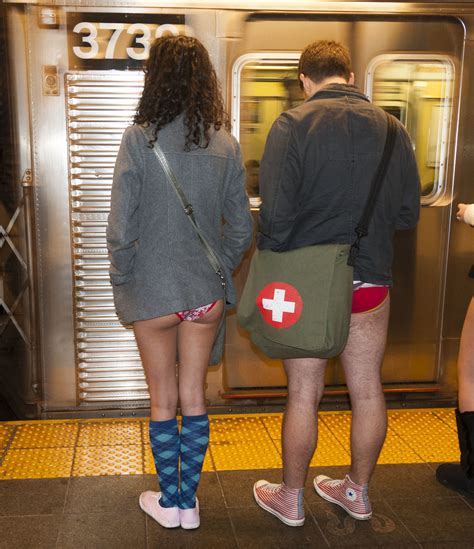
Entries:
{"x":70,"y":83}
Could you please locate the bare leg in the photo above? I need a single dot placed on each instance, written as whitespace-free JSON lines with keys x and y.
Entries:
{"x":466,"y":363}
{"x":156,"y":339}
{"x":362,"y":361}
{"x":195,"y":341}
{"x":300,"y":420}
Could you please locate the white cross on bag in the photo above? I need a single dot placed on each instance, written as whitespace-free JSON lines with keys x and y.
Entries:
{"x":278,"y":305}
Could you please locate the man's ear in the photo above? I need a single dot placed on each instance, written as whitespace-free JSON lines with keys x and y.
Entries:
{"x":351,"y":79}
{"x":304,"y":83}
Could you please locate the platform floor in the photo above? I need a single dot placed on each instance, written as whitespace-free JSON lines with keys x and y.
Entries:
{"x":75,"y":483}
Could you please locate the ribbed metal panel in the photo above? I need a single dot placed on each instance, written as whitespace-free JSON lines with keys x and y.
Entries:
{"x":100,"y":106}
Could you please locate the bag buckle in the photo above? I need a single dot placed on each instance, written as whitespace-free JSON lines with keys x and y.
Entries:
{"x":188,"y":210}
{"x":221,"y":276}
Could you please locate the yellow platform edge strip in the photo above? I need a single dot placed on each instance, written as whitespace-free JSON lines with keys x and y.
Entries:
{"x":120,"y":446}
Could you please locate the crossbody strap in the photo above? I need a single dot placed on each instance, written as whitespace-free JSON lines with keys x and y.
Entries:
{"x":188,"y":210}
{"x":362,"y":228}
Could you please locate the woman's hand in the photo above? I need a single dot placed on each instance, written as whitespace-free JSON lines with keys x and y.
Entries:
{"x":465,"y":213}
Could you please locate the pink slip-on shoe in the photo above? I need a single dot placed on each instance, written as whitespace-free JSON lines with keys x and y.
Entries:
{"x":168,"y":517}
{"x":189,"y":518}
{"x":279,"y":500}
{"x":347,"y":494}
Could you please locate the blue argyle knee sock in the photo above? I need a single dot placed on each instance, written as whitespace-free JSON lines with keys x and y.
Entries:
{"x":194,"y":440}
{"x":164,"y":439}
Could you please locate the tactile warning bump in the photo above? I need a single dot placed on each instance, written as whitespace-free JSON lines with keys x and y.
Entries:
{"x":243,"y":429}
{"x":5,"y":434}
{"x":37,"y":463}
{"x":55,"y":435}
{"x":110,"y":433}
{"x":150,"y":468}
{"x":235,"y":455}
{"x":108,"y":460}
{"x":397,"y":450}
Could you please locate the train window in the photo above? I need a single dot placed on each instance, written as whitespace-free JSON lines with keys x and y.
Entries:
{"x":417,"y":89}
{"x":264,"y":85}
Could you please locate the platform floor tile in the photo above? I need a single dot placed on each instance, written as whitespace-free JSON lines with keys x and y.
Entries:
{"x":108,"y":460}
{"x":419,"y":422}
{"x":55,"y":435}
{"x":37,"y":463}
{"x":329,"y":450}
{"x":396,"y":450}
{"x":339,"y":425}
{"x":245,"y":455}
{"x":110,"y":433}
{"x":237,"y":428}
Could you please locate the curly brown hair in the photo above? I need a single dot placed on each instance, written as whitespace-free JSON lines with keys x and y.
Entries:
{"x":180,"y":78}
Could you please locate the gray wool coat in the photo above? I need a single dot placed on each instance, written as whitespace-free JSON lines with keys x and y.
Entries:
{"x":158,"y":265}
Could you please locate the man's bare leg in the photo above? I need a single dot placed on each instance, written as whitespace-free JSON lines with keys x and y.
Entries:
{"x":300,"y":419}
{"x":299,"y":438}
{"x":362,"y":361}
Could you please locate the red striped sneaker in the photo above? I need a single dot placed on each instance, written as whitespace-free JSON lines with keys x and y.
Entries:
{"x":352,"y":497}
{"x":281,"y":501}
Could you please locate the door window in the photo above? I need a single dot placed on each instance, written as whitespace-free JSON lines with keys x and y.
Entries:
{"x":264,"y":86}
{"x":418,"y":90}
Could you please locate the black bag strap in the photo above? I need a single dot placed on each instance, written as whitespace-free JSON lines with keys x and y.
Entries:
{"x":188,"y":210}
{"x":362,"y":228}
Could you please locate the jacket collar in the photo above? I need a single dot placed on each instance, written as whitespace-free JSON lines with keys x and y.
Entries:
{"x":339,"y":90}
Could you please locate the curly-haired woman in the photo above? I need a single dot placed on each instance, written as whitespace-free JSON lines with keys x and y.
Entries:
{"x":162,"y":281}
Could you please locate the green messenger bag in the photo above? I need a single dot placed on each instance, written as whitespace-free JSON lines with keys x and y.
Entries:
{"x":297,"y":304}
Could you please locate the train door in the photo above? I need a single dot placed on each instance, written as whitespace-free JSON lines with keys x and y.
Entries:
{"x":412,"y":69}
